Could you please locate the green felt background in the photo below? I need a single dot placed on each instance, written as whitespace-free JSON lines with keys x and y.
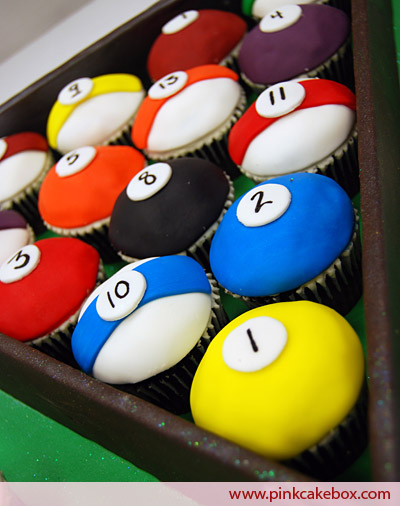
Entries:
{"x":35,"y":448}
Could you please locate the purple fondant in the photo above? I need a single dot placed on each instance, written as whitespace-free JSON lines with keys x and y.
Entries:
{"x":11,"y":219}
{"x":268,"y":58}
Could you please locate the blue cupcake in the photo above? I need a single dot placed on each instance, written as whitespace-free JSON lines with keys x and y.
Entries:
{"x":295,"y":237}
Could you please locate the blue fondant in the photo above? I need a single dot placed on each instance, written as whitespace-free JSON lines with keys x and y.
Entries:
{"x":165,"y":276}
{"x":288,"y":252}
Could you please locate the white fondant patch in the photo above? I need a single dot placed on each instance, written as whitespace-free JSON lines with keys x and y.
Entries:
{"x":262,"y":7}
{"x":75,"y":161}
{"x":196,"y":111}
{"x":75,"y":91}
{"x":263,"y":204}
{"x":281,"y":18}
{"x":19,"y":171}
{"x":149,"y":181}
{"x":280,"y":99}
{"x":11,"y":240}
{"x":120,"y":295}
{"x":180,"y":22}
{"x":153,"y":338}
{"x":168,"y":85}
{"x":98,"y":119}
{"x":3,"y":148}
{"x":299,"y":140}
{"x":20,"y":264}
{"x":254,"y":344}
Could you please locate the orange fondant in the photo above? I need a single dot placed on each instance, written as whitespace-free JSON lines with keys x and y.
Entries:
{"x":89,"y":195}
{"x":150,"y":107}
{"x":24,"y":141}
{"x":54,"y":291}
{"x":318,"y":92}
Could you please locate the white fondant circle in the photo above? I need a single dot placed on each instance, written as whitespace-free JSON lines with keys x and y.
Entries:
{"x":3,"y":148}
{"x":75,"y":91}
{"x":180,"y":22}
{"x":263,"y":204}
{"x":281,"y":18}
{"x":280,"y":99}
{"x":149,"y":181}
{"x":20,"y":264}
{"x":168,"y":85}
{"x":254,"y":344}
{"x":75,"y":161}
{"x":120,"y":295}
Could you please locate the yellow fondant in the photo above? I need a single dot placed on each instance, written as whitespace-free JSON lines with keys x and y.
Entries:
{"x":288,"y":406}
{"x":102,"y":84}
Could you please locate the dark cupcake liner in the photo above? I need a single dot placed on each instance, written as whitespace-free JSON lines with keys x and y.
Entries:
{"x":338,"y":287}
{"x":170,"y":389}
{"x":28,"y":208}
{"x":340,"y":447}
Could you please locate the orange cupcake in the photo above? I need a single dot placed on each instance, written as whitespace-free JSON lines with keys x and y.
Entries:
{"x":78,"y":194}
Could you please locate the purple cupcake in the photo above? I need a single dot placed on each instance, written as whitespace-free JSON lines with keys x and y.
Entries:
{"x":14,"y":233}
{"x":297,"y":41}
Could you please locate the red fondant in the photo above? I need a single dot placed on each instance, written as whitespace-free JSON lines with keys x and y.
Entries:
{"x":209,"y":39}
{"x":318,"y":92}
{"x":54,"y":291}
{"x":150,"y":107}
{"x":25,"y":141}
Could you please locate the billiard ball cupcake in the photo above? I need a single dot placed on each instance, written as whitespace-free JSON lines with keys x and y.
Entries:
{"x":297,"y":41}
{"x":25,"y":159}
{"x":193,"y":38}
{"x":94,"y":111}
{"x":15,"y":233}
{"x":190,"y":113}
{"x":43,"y":287}
{"x":293,"y":237}
{"x":298,"y":370}
{"x":304,"y":126}
{"x":257,"y":9}
{"x":170,"y":208}
{"x":79,"y":192}
{"x":146,"y":328}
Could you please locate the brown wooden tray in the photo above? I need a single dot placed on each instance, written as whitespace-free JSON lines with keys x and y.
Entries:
{"x":151,"y":437}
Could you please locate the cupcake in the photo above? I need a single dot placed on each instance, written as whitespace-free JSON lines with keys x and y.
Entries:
{"x":78,"y":194}
{"x":293,"y":237}
{"x":292,"y":374}
{"x":295,"y":42}
{"x":15,"y":233}
{"x":94,"y":111}
{"x":189,"y":113}
{"x":170,"y":208}
{"x":257,"y":9}
{"x":24,"y":161}
{"x":193,"y":38}
{"x":146,"y":328}
{"x":42,"y":289}
{"x":305,"y":126}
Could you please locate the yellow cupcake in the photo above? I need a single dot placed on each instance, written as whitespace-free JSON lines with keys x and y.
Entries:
{"x":279,"y":378}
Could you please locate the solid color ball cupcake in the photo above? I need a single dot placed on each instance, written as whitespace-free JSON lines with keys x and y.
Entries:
{"x":189,"y":112}
{"x":292,"y":375}
{"x":24,"y":161}
{"x":305,"y":126}
{"x":257,"y":9}
{"x":94,"y":111}
{"x":79,"y":193}
{"x":146,"y":328}
{"x":297,"y":41}
{"x":42,"y":289}
{"x":293,"y":237}
{"x":193,"y":38}
{"x":14,"y":233}
{"x":170,"y":208}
